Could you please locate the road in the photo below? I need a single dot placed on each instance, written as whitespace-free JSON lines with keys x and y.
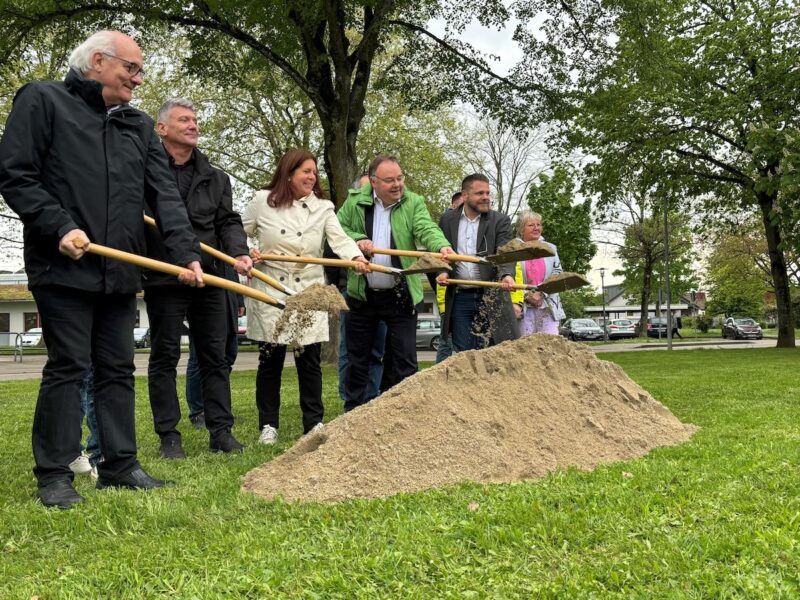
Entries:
{"x":31,"y":365}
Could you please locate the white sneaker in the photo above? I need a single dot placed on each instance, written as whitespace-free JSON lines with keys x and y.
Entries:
{"x":80,"y":465}
{"x":269,"y":435}
{"x":316,"y":428}
{"x":94,"y":473}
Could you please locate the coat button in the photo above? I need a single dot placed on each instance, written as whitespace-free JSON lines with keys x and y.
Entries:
{"x":299,"y":234}
{"x":304,"y":205}
{"x":283,"y":231}
{"x":297,"y":280}
{"x":281,"y":278}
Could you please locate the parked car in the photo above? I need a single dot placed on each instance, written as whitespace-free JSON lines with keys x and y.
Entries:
{"x":241,"y":334}
{"x":740,"y":328}
{"x":657,"y":326}
{"x":32,"y":337}
{"x":428,"y":332}
{"x":141,"y":337}
{"x":581,"y":329}
{"x":620,"y":329}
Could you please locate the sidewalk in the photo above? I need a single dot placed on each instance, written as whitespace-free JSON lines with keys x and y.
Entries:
{"x":31,"y":365}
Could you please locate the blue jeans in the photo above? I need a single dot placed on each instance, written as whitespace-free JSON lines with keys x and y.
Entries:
{"x":87,"y":410}
{"x":467,"y":320}
{"x":194,"y":386}
{"x":375,"y":366}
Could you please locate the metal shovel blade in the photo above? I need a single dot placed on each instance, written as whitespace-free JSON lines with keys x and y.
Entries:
{"x":562,"y":282}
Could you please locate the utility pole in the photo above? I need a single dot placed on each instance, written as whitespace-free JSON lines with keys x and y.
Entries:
{"x":666,"y":270}
{"x":603,"y":294}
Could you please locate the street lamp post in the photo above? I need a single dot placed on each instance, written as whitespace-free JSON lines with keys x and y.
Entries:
{"x":603,"y":294}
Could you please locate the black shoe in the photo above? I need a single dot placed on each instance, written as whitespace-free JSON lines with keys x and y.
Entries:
{"x":59,"y":494}
{"x":171,"y":448}
{"x":224,"y":442}
{"x":199,"y":420}
{"x":135,"y":480}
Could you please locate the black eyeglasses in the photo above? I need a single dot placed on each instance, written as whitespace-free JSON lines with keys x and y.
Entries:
{"x":133,"y":68}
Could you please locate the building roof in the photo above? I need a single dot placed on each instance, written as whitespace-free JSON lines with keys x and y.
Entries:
{"x":16,"y":292}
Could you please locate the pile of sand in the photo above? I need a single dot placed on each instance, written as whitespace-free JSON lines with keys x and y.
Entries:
{"x":515,"y":411}
{"x":516,"y":249}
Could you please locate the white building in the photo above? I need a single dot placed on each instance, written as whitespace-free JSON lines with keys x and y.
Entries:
{"x":618,"y":306}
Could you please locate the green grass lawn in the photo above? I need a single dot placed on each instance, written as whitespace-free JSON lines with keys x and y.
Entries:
{"x":716,"y":517}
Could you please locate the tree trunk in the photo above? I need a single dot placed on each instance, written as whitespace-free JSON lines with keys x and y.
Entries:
{"x":780,"y":277}
{"x":340,"y":158}
{"x":646,"y":284}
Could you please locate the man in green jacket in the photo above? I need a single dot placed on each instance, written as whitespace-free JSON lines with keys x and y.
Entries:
{"x":384,"y":215}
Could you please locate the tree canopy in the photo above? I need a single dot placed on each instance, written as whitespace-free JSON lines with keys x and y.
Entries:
{"x":566,"y":223}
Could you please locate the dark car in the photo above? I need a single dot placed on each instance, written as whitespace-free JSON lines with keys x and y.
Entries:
{"x":141,"y":337}
{"x":581,"y":329}
{"x":657,"y":327}
{"x":428,"y":332}
{"x":619,"y":329}
{"x":740,"y":328}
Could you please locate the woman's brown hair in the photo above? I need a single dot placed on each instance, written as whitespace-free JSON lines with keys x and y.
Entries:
{"x":280,"y":193}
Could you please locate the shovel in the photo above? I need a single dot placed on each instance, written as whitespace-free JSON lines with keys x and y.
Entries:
{"x":232,"y":261}
{"x":531,"y":250}
{"x":157,"y":265}
{"x":556,"y":283}
{"x":350,"y":264}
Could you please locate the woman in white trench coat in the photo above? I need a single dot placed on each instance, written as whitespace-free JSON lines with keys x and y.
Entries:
{"x":289,"y":216}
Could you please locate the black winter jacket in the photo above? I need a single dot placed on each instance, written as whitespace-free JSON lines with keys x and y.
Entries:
{"x":210,"y":208}
{"x":65,"y":163}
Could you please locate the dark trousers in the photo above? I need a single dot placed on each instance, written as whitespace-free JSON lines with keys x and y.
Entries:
{"x":81,"y":329}
{"x":268,"y":383}
{"x":194,"y":381}
{"x":394,"y":308}
{"x":206,"y":311}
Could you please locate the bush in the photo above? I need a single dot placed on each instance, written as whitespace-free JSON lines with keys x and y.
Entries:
{"x":703,"y":323}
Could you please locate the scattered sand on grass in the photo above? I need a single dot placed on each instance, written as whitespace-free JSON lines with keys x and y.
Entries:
{"x":428,"y":264}
{"x":519,"y":410}
{"x":301,"y":309}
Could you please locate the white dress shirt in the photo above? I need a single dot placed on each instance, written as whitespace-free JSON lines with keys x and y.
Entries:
{"x":381,"y":238}
{"x":467,"y":245}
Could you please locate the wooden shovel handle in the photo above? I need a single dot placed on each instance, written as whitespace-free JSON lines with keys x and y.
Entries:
{"x":157,"y":265}
{"x":232,"y":261}
{"x":489,"y":284}
{"x":420,"y":254}
{"x":328,"y":262}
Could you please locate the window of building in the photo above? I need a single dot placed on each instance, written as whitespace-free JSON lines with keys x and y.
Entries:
{"x":5,"y":321}
{"x":30,"y":320}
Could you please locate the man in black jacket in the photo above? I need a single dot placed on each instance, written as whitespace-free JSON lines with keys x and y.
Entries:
{"x":477,"y":317}
{"x":78,"y":165}
{"x":206,"y":192}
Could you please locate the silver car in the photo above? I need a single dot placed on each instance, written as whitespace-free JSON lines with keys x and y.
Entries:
{"x":428,"y":332}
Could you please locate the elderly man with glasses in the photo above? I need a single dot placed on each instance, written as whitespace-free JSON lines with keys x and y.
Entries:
{"x":78,"y":165}
{"x":383,"y":214}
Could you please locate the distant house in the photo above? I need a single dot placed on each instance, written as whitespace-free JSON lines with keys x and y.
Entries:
{"x":18,"y":312}
{"x":618,"y":306}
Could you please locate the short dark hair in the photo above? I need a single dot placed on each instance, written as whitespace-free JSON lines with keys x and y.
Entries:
{"x":378,"y":161}
{"x":455,"y":197}
{"x":470,"y":179}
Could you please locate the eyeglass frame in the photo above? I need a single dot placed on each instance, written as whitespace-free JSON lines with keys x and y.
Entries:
{"x":130,"y":66}
{"x":390,"y":180}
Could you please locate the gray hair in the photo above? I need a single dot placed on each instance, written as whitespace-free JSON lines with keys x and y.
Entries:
{"x":171,"y":103}
{"x":524,"y":217}
{"x":81,"y":57}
